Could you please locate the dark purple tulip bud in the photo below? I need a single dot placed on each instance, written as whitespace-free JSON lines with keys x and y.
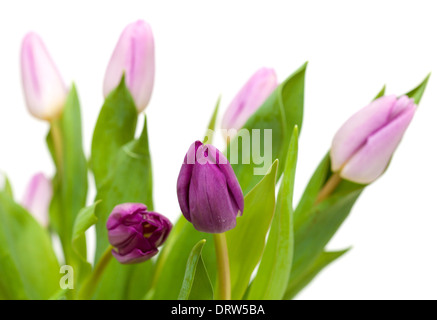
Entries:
{"x":209,"y":194}
{"x":136,"y":233}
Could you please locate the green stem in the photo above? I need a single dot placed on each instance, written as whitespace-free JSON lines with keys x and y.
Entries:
{"x":57,"y":145}
{"x":329,"y":187}
{"x":224,"y":272}
{"x":89,"y":287}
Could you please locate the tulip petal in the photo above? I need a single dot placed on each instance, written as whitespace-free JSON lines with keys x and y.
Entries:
{"x":251,"y":96}
{"x":135,"y":256}
{"x":211,"y":208}
{"x":371,"y":160}
{"x":133,"y":55}
{"x":136,"y":233}
{"x":233,"y":186}
{"x":37,"y":198}
{"x":353,"y":134}
{"x":44,"y":89}
{"x":126,"y":213}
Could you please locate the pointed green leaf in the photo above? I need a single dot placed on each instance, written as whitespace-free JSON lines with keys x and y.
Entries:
{"x":313,"y":187}
{"x":84,"y":220}
{"x":5,"y":185}
{"x":380,"y":93}
{"x":314,"y":229}
{"x":169,"y":280}
{"x":115,"y":127}
{"x":280,"y":113}
{"x":271,"y":280}
{"x":417,"y":92}
{"x":196,"y":284}
{"x":130,"y":180}
{"x":28,"y":266}
{"x":324,"y":259}
{"x":247,"y":240}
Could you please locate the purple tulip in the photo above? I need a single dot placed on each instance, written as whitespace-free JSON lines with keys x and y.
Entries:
{"x":362,"y":148}
{"x":134,"y":55}
{"x":209,"y":194}
{"x":44,"y":89}
{"x":37,"y":198}
{"x":136,"y":233}
{"x":253,"y":94}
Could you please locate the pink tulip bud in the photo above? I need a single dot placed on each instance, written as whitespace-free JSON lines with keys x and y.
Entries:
{"x":362,"y":148}
{"x":253,"y":94}
{"x":134,"y":55}
{"x":37,"y":198}
{"x":44,"y":89}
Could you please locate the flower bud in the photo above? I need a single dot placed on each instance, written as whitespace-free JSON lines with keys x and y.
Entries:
{"x":208,"y":191}
{"x":44,"y":89}
{"x":37,"y":198}
{"x":362,"y":148}
{"x":253,"y":94}
{"x":134,"y":56}
{"x":136,"y":233}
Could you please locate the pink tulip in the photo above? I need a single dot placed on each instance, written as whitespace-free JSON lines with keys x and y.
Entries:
{"x":44,"y":89}
{"x":134,"y":55}
{"x":253,"y":94}
{"x":37,"y":198}
{"x":362,"y":148}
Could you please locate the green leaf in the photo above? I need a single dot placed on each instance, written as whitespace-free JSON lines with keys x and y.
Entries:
{"x":140,"y":280}
{"x":115,"y":127}
{"x":70,"y":183}
{"x":28,"y":266}
{"x":247,"y":240}
{"x":380,"y":93}
{"x":271,"y":280}
{"x":324,"y":259}
{"x":5,"y":185}
{"x":313,"y":187}
{"x":196,"y":284}
{"x":168,"y":282}
{"x":417,"y":92}
{"x":130,"y":180}
{"x":84,"y":220}
{"x":280,"y":113}
{"x":61,"y":294}
{"x":168,"y":247}
{"x":314,"y":229}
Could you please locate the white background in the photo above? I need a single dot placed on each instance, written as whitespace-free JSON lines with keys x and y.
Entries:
{"x":207,"y":48}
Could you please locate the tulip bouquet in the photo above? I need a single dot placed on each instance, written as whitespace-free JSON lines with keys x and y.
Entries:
{"x":239,"y":235}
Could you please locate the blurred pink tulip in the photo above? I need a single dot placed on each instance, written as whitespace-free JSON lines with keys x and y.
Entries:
{"x":44,"y":89}
{"x":37,"y":198}
{"x":135,"y":56}
{"x":362,"y":148}
{"x":253,"y":94}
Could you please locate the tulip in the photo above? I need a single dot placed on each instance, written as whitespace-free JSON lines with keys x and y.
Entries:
{"x":209,"y":194}
{"x":44,"y":89}
{"x":362,"y":148}
{"x":134,"y":56}
{"x":253,"y":94}
{"x":136,"y":233}
{"x":37,"y":198}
